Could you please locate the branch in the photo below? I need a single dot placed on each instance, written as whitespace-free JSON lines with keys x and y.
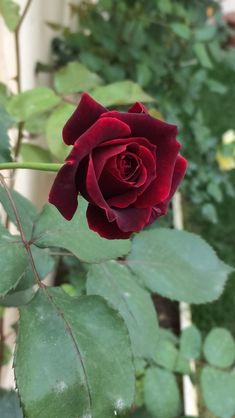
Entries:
{"x":23,"y":15}
{"x":18,"y":70}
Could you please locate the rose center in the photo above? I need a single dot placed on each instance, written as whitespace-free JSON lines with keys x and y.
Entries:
{"x":128,"y":165}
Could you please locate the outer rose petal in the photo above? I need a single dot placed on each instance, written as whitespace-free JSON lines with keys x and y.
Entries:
{"x":144,"y":125}
{"x":159,"y":189}
{"x":164,"y":136}
{"x":138,"y":107}
{"x":93,"y":191}
{"x":98,"y":222}
{"x":132,"y":219}
{"x":102,"y":130}
{"x":87,"y":112}
{"x":63,"y":193}
{"x":65,"y":190}
{"x":179,"y":173}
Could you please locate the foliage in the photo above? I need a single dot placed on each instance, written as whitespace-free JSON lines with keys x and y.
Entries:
{"x":165,"y":46}
{"x":98,"y":347}
{"x":111,"y":313}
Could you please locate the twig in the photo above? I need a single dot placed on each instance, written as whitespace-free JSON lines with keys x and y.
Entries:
{"x":18,"y":71}
{"x":23,"y":15}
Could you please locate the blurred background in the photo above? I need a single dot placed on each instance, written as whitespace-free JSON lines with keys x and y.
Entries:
{"x":178,"y":57}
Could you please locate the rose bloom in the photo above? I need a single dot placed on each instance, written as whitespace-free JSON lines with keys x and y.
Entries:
{"x":125,"y":164}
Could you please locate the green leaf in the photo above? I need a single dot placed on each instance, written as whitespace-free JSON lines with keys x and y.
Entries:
{"x":190,"y":342}
{"x":93,"y":377}
{"x":35,"y":153}
{"x":24,"y":291}
{"x":120,"y":93}
{"x":178,"y":265}
{"x":181,"y":30}
{"x":18,"y":297}
{"x":9,"y":405}
{"x":182,"y":365}
{"x":219,"y":348}
{"x":75,"y":78}
{"x":13,"y":261}
{"x":162,"y":397}
{"x":209,"y":212}
{"x":218,"y":388}
{"x":54,"y":127}
{"x":168,"y":335}
{"x":88,"y":246}
{"x":217,"y":87}
{"x":4,"y":94}
{"x":10,"y":12}
{"x":27,"y":211}
{"x":206,"y":33}
{"x":16,"y":270}
{"x":37,"y":124}
{"x":215,"y":191}
{"x":140,"y":413}
{"x":30,"y":103}
{"x":202,"y":55}
{"x":165,"y":6}
{"x":144,"y":74}
{"x":166,"y":354}
{"x":115,"y":283}
{"x":5,"y":154}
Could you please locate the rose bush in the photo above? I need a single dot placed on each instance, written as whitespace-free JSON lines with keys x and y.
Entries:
{"x":125,"y":164}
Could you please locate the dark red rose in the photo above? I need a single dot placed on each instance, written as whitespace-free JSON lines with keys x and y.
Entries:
{"x":125,"y":164}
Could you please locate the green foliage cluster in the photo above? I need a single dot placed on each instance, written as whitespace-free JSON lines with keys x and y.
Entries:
{"x":177,"y":52}
{"x":92,"y":347}
{"x":102,"y":317}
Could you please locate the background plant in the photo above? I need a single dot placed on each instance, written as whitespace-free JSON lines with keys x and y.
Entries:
{"x":177,"y":52}
{"x":102,"y":287}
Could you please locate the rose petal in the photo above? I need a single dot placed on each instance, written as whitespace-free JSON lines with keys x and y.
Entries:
{"x":128,"y":141}
{"x":164,"y":136}
{"x":65,"y":188}
{"x":138,"y":107}
{"x":132,"y":219}
{"x":123,"y":200}
{"x":179,"y":173}
{"x":145,"y":126}
{"x":101,"y":155}
{"x":102,"y":130}
{"x":112,"y":186}
{"x":109,"y":181}
{"x":63,"y":193}
{"x":94,"y":192}
{"x":159,"y":189}
{"x":98,"y":222}
{"x":87,"y":112}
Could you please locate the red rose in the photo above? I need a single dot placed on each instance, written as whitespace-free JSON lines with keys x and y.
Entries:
{"x":125,"y":164}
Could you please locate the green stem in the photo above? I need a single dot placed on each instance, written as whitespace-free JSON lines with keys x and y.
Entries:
{"x":31,"y":166}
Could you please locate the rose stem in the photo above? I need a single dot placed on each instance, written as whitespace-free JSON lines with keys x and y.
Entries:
{"x":31,"y":166}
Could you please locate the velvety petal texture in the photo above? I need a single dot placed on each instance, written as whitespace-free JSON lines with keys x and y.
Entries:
{"x":87,"y":112}
{"x":125,"y":164}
